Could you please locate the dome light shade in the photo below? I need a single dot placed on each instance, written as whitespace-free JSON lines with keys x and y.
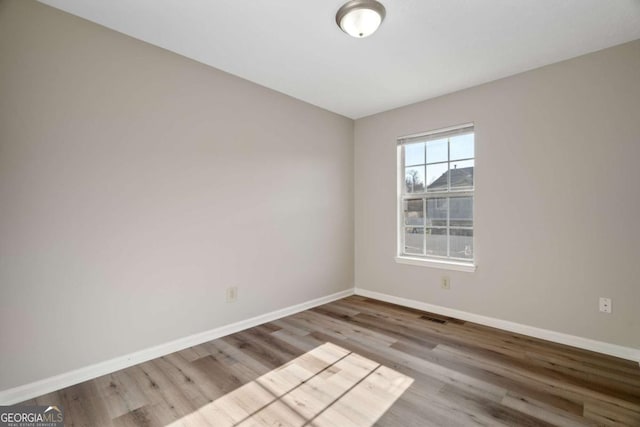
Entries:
{"x":360,"y":18}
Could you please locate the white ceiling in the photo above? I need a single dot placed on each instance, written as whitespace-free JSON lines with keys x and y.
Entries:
{"x":424,"y":48}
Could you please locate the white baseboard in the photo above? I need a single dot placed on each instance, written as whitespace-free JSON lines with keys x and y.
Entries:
{"x":47,"y":385}
{"x":545,"y":334}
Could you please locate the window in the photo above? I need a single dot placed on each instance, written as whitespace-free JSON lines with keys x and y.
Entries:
{"x":435,"y":203}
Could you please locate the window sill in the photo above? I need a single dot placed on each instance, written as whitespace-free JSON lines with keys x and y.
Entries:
{"x":445,"y":265}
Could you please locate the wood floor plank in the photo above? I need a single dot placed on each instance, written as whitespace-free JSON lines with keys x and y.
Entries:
{"x":302,"y":342}
{"x":514,"y":369}
{"x":230,"y":355}
{"x":353,"y":332}
{"x":611,"y":414}
{"x":119,"y":394}
{"x":564,"y":363}
{"x":360,"y":362}
{"x":83,"y":407}
{"x":578,"y":356}
{"x":543,"y":411}
{"x":567,"y":402}
{"x":168,"y":399}
{"x":224,"y":377}
{"x":489,"y":410}
{"x":145,"y":416}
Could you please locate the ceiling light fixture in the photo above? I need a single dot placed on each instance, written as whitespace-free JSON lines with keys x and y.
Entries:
{"x":360,"y":18}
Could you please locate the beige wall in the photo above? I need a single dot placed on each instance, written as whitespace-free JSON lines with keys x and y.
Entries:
{"x":136,"y":185}
{"x":557,"y":204}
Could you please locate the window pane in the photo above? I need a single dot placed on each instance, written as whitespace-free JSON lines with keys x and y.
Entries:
{"x":414,"y":240}
{"x":462,"y":147}
{"x":461,"y":243}
{"x":462,"y":174}
{"x":437,"y":177}
{"x":461,"y":212}
{"x":414,"y":179}
{"x":437,"y":198}
{"x":437,"y":241}
{"x":437,"y":212}
{"x":414,"y":154}
{"x":437,"y":151}
{"x":413,"y":212}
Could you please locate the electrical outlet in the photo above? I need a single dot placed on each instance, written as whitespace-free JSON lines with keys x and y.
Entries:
{"x":605,"y":305}
{"x":445,"y":282}
{"x":232,"y":294}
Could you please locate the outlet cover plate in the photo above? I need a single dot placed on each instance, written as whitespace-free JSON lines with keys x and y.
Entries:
{"x":232,"y":294}
{"x":605,"y":305}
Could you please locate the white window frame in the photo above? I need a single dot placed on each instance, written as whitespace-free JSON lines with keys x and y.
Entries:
{"x":430,"y":261}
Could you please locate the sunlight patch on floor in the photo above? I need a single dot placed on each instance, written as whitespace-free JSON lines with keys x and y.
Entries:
{"x":325,"y":387}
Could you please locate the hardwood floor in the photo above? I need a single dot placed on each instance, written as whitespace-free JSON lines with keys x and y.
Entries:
{"x":361,"y":362}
